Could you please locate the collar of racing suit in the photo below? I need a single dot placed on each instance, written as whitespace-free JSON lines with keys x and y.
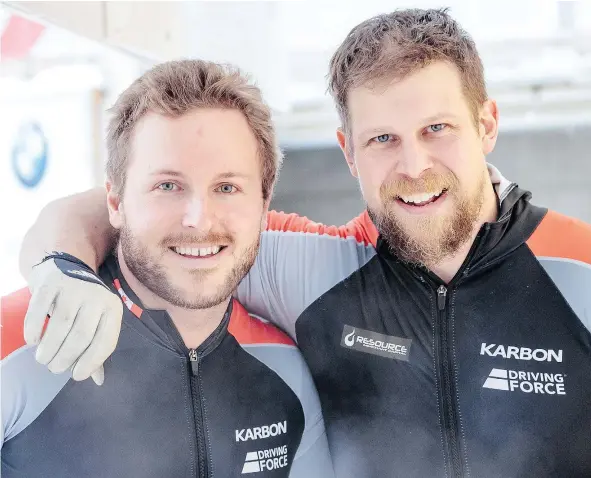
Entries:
{"x":157,"y":321}
{"x":516,"y":222}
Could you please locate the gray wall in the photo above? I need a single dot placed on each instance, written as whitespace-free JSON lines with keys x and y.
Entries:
{"x":554,"y":165}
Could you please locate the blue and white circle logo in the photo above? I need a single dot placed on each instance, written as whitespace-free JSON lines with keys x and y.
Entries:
{"x":29,"y":154}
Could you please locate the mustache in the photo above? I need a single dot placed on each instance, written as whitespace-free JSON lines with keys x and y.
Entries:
{"x":182,"y":238}
{"x":429,"y":182}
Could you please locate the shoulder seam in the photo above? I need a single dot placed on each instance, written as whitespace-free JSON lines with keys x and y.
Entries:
{"x":350,"y":237}
{"x":250,"y":330}
{"x":564,"y":259}
{"x":561,"y":236}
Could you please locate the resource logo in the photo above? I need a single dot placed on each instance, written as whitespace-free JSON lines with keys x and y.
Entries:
{"x":373,"y":343}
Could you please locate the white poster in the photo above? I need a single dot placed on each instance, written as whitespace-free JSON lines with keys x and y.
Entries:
{"x":48,"y":149}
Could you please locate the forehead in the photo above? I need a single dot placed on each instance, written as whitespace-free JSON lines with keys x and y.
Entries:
{"x":200,"y":140}
{"x":431,"y":90}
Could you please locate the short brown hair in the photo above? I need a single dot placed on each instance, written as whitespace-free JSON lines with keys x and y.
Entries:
{"x":396,"y":44}
{"x":176,"y":87}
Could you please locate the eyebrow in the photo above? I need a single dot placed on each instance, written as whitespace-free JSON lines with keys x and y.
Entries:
{"x":377,"y":130}
{"x":172,"y":172}
{"x":231,"y":175}
{"x":439,"y":116}
{"x":166,"y":172}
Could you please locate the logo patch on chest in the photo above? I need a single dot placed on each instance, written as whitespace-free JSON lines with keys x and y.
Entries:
{"x":257,"y":433}
{"x":370,"y":342}
{"x":265,"y":460}
{"x":526,"y":382}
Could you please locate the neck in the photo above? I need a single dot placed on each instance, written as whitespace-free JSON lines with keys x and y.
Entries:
{"x":194,"y":325}
{"x":449,"y":267}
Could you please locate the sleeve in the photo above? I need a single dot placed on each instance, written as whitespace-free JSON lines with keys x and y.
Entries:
{"x":26,"y":387}
{"x":298,"y":261}
{"x":313,"y":456}
{"x":12,"y":314}
{"x":566,"y":258}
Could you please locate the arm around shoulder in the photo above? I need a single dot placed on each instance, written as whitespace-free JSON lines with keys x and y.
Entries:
{"x":77,"y":224}
{"x":299,"y":260}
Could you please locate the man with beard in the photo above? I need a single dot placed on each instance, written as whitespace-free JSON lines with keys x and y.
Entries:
{"x":447,"y":327}
{"x":197,"y":387}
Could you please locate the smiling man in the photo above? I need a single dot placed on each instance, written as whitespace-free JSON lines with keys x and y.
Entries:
{"x":429,"y":204}
{"x":446,"y":327}
{"x":197,"y":387}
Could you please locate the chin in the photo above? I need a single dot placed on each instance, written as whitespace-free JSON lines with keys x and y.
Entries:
{"x":200,"y":300}
{"x":207,"y":302}
{"x":209,"y":292}
{"x":431,"y":225}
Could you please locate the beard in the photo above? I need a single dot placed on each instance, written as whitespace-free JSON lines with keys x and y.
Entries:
{"x":428,"y":240}
{"x":147,"y":268}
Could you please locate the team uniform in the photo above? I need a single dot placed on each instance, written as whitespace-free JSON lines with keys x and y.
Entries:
{"x":487,"y":376}
{"x":242,"y":403}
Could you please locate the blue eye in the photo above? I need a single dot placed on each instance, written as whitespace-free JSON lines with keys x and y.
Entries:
{"x":383,"y":138}
{"x":227,"y":188}
{"x":167,"y":186}
{"x":435,"y":128}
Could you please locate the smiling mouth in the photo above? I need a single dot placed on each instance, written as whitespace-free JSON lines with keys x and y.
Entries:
{"x":193,"y":252}
{"x":421,"y":199}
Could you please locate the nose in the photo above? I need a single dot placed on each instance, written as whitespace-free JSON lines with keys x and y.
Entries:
{"x":414,"y":159}
{"x":198,"y":214}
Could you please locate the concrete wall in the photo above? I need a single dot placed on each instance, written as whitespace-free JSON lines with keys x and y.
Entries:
{"x":554,"y":165}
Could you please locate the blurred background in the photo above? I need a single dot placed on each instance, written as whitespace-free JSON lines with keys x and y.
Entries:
{"x":64,"y":63}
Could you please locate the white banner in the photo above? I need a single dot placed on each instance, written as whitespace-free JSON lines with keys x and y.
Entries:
{"x":48,"y":149}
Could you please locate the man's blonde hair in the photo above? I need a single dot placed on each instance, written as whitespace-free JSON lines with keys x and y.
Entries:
{"x":394,"y":45}
{"x":176,"y":87}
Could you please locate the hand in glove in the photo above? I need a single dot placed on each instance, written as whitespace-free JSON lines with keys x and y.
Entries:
{"x":83,"y":317}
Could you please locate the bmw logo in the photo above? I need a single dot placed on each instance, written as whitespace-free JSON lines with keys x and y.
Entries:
{"x":29,"y":154}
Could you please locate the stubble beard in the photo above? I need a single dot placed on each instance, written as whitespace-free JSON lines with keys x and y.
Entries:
{"x":147,"y":269}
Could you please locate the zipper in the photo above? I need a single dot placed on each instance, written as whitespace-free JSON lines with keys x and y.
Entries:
{"x":195,"y":396}
{"x":194,"y":359}
{"x":198,"y":413}
{"x":194,"y":356}
{"x":448,"y":405}
{"x":441,"y":298}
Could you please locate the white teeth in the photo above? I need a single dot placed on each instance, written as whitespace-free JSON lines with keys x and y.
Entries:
{"x":420,"y":198}
{"x":197,"y":252}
